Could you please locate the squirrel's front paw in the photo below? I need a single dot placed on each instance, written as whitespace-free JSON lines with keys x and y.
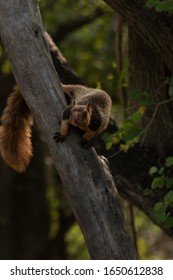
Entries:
{"x":58,"y":137}
{"x":85,"y":144}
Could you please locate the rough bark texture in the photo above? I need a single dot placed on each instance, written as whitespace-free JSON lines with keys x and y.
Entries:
{"x":150,"y":63}
{"x":155,"y":28}
{"x":147,"y":74}
{"x":93,"y":195}
{"x":130,"y":170}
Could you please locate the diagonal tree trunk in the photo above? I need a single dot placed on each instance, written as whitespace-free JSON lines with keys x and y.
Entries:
{"x":93,"y":195}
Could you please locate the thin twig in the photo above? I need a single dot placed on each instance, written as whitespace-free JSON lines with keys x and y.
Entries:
{"x":153,"y":117}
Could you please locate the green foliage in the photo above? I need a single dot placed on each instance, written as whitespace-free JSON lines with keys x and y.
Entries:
{"x":142,"y":98}
{"x":89,"y":49}
{"x":161,"y":6}
{"x":161,"y":179}
{"x":53,"y":203}
{"x":90,"y":56}
{"x":148,"y":235}
{"x":5,"y":66}
{"x":130,"y":130}
{"x":153,"y":170}
{"x":169,"y":162}
{"x":76,"y":248}
{"x":158,"y":182}
{"x":161,"y":213}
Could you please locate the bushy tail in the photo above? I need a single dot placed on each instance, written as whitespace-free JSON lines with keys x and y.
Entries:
{"x":15,"y":132}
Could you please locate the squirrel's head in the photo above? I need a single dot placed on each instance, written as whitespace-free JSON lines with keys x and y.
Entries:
{"x":80,"y":116}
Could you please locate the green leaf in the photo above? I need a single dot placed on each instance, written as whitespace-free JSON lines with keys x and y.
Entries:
{"x":151,"y":3}
{"x":136,"y":117}
{"x":109,"y":145}
{"x":147,"y":191}
{"x":106,"y":136}
{"x":153,"y":170}
{"x":161,"y":6}
{"x":158,"y":212}
{"x":169,"y":182}
{"x":168,"y":223}
{"x":166,"y":6}
{"x":168,"y":199}
{"x":169,"y":161}
{"x":161,"y":170}
{"x":158,"y":182}
{"x":136,"y":94}
{"x":6,"y":67}
{"x":146,"y":99}
{"x":169,"y":5}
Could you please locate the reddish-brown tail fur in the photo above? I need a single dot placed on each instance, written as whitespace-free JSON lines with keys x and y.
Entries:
{"x":15,"y":132}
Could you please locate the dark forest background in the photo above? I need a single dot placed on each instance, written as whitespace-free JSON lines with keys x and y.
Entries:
{"x":108,"y":46}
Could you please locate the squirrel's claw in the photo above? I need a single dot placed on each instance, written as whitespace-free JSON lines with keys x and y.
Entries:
{"x":58,"y":137}
{"x":85,"y":144}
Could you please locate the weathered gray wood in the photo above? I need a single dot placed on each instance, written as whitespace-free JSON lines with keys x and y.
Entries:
{"x":88,"y":182}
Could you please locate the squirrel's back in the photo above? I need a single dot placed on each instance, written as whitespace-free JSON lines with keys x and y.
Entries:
{"x":100,"y":102}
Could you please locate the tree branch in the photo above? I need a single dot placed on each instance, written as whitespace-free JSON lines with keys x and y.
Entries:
{"x":69,"y":26}
{"x":93,"y":195}
{"x":66,"y":74}
{"x":129,"y":171}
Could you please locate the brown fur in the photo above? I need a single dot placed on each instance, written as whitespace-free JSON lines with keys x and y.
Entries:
{"x":15,"y":132}
{"x":89,"y":110}
{"x":80,"y":116}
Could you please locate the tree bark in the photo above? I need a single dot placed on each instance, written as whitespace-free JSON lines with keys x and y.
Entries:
{"x":66,"y":74}
{"x":93,"y":195}
{"x":150,"y":64}
{"x":155,"y":28}
{"x":147,"y":74}
{"x":130,"y":169}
